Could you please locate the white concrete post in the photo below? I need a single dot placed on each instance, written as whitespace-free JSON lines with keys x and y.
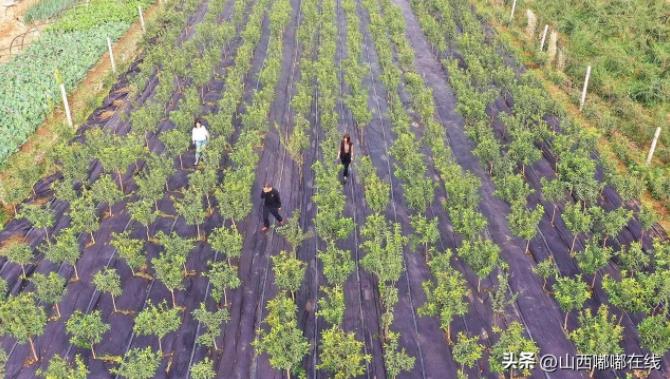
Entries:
{"x":586,"y":86}
{"x":511,"y":15}
{"x":544,"y":37}
{"x":111,"y":55}
{"x":650,"y":156}
{"x":139,"y":10}
{"x":66,"y":104}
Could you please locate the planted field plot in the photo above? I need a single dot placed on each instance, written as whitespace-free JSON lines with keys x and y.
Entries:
{"x":476,"y":224}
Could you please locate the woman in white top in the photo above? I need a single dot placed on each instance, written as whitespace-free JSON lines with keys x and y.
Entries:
{"x":200,"y":136}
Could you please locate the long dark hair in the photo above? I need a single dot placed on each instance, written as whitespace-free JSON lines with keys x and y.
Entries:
{"x":346,"y":137}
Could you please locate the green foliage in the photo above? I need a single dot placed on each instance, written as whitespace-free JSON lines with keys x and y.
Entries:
{"x":46,"y":9}
{"x":18,"y":253}
{"x":293,"y":232}
{"x":222,"y":276}
{"x":396,"y":360}
{"x":48,"y":288}
{"x":203,"y":369}
{"x":384,"y":256}
{"x":283,"y":342}
{"x":467,"y":350}
{"x":143,"y":212}
{"x":571,"y":294}
{"x":84,"y":215}
{"x":86,"y":330}
{"x":157,"y":321}
{"x":191,"y":208}
{"x":169,"y":271}
{"x":332,"y":305}
{"x":546,"y":269}
{"x":28,"y":89}
{"x":22,"y":318}
{"x":523,"y":221}
{"x":655,"y":334}
{"x":598,"y":334}
{"x":593,"y":258}
{"x":139,"y":364}
{"x":511,"y":341}
{"x":213,"y":322}
{"x":227,"y":241}
{"x":502,"y":295}
{"x":628,"y":294}
{"x":104,"y":190}
{"x":337,"y":264}
{"x":288,"y":272}
{"x":481,"y":256}
{"x":64,"y":250}
{"x":96,"y":13}
{"x":60,"y":368}
{"x":341,"y":354}
{"x":108,"y":281}
{"x":447,"y":297}
{"x":40,"y":217}
{"x":131,"y":250}
{"x":633,"y":258}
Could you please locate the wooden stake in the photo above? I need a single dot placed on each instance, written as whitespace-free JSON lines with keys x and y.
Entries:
{"x":653,"y":146}
{"x":511,"y":15}
{"x":66,"y":104}
{"x":544,"y":37}
{"x":586,"y":86}
{"x":139,"y":10}
{"x":111,"y":55}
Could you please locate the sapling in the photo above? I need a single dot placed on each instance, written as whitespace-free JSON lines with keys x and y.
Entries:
{"x":467,"y":351}
{"x":86,"y":330}
{"x":511,"y":341}
{"x":655,"y":334}
{"x":481,"y":256}
{"x":191,"y":209}
{"x":203,"y":369}
{"x":84,"y":216}
{"x":331,"y":304}
{"x":446,"y":298}
{"x":288,"y":272}
{"x":23,"y":319}
{"x":222,"y":276}
{"x":341,"y":354}
{"x":49,"y":289}
{"x":40,"y":217}
{"x":554,"y":191}
{"x":396,"y":359}
{"x":139,"y":364}
{"x":60,"y":368}
{"x":593,"y":258}
{"x":571,"y":294}
{"x":577,"y":221}
{"x":64,"y":250}
{"x":523,"y":222}
{"x":130,"y":249}
{"x":157,"y":321}
{"x":108,"y":281}
{"x":546,"y":269}
{"x":227,"y":241}
{"x":104,"y":190}
{"x":213,"y":323}
{"x":19,"y":253}
{"x":169,"y":271}
{"x":597,"y":334}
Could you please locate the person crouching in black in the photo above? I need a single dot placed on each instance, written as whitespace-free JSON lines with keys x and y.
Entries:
{"x":271,"y":205}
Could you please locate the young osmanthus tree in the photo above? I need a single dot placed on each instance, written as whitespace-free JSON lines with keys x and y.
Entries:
{"x":130,"y":249}
{"x":64,"y":250}
{"x":227,"y":241}
{"x":108,"y":281}
{"x":23,"y":319}
{"x":203,"y":369}
{"x":288,"y":272}
{"x":49,"y":289}
{"x":577,"y":221}
{"x":467,"y":351}
{"x":86,"y":330}
{"x":168,"y":270}
{"x":341,"y":354}
{"x":191,"y":209}
{"x":598,"y":334}
{"x":283,"y":342}
{"x":105,"y":190}
{"x":222,"y":276}
{"x":157,"y":321}
{"x":139,"y":364}
{"x":176,"y":247}
{"x":213,"y":322}
{"x":571,"y":294}
{"x":60,"y":368}
{"x":84,"y":215}
{"x":144,"y":213}
{"x":19,"y":253}
{"x":447,"y":296}
{"x":511,"y":341}
{"x":523,"y":222}
{"x":40,"y":217}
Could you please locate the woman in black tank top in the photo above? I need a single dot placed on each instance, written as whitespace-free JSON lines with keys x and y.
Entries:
{"x":346,"y":154}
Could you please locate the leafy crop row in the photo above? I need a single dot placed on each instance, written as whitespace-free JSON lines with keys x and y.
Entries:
{"x":28,"y":86}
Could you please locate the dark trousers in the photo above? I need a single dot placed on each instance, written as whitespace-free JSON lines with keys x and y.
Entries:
{"x":345,"y":162}
{"x":266,"y":215}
